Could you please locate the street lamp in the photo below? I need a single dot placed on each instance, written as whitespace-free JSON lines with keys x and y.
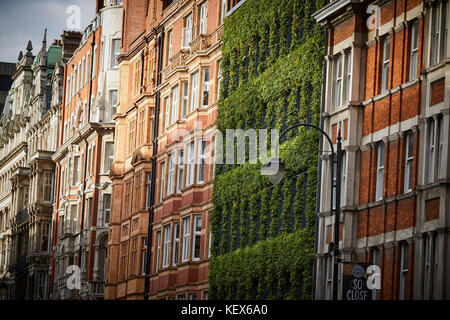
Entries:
{"x":275,"y":170}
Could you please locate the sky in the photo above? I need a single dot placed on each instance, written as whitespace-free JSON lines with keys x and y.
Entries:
{"x":23,"y":20}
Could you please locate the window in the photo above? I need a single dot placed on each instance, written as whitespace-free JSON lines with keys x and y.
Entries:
{"x":132,"y":269}
{"x":385,"y":64}
{"x":180,"y":170}
{"x":115,"y":51}
{"x":223,"y":10}
{"x":343,"y":177}
{"x":205,"y":87}
{"x":194,"y":91}
{"x":187,"y":31}
{"x":162,"y":173}
{"x":76,"y":169}
{"x":348,"y":74}
{"x":190,"y":164}
{"x":201,"y":161}
{"x":144,"y":255}
{"x":106,"y":208}
{"x":219,"y":78}
{"x":149,"y":189}
{"x":203,"y":16}
{"x":94,"y":68}
{"x":131,"y":135}
{"x":338,"y":82}
{"x":413,"y":55}
{"x":186,"y":239}
{"x":439,"y":31}
{"x":426,"y":267}
{"x":88,"y":212}
{"x":170,"y":175}
{"x":197,"y":237}
{"x":73,"y":227}
{"x":48,"y":186}
{"x":380,"y":172}
{"x":167,"y":112}
{"x":192,"y":296}
{"x":409,"y":161}
{"x":123,"y":260}
{"x":137,"y":76}
{"x":184,"y":102}
{"x":166,"y":249}
{"x":435,"y":265}
{"x":88,"y":67}
{"x":169,"y":44}
{"x":376,"y":260}
{"x":45,"y":236}
{"x":109,"y":155}
{"x":430,"y":153}
{"x":440,"y":145}
{"x":141,"y":126}
{"x":158,"y":249}
{"x":175,"y":100}
{"x":113,"y":101}
{"x":42,"y":285}
{"x":176,"y":243}
{"x":209,"y":243}
{"x":329,"y":277}
{"x":404,"y":271}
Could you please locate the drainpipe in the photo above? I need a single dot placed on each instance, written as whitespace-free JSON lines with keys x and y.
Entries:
{"x":85,"y":153}
{"x":319,"y":172}
{"x":151,"y":210}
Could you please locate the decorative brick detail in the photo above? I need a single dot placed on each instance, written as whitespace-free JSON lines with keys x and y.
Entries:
{"x":432,"y":209}
{"x":437,"y":91}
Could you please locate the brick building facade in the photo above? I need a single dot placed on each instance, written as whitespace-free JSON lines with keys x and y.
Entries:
{"x":81,"y":212}
{"x":169,"y":66}
{"x":385,"y":90}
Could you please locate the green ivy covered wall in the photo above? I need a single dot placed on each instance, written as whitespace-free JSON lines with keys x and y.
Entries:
{"x":263,"y":235}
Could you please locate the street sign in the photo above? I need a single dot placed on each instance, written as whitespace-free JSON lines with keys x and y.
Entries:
{"x":355,"y":282}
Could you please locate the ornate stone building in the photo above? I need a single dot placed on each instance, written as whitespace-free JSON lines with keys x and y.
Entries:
{"x":84,"y":155}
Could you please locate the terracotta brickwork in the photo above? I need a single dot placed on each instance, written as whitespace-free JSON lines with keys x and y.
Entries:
{"x":392,"y":169}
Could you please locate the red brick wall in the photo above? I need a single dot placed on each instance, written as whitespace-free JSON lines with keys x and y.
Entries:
{"x":437,"y":91}
{"x":432,"y":209}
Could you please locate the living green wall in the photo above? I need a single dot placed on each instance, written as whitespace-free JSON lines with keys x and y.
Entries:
{"x":263,"y":235}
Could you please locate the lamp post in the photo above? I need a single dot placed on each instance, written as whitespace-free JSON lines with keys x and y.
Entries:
{"x":275,"y":177}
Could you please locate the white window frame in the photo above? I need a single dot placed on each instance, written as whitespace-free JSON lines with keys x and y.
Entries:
{"x":171,"y":173}
{"x":431,"y":151}
{"x":114,"y":53}
{"x":175,"y":104}
{"x":162,"y":172}
{"x":194,"y":90}
{"x":190,"y":164}
{"x":409,"y":157}
{"x":404,"y":264}
{"x":187,"y":31}
{"x":144,"y":255}
{"x":380,"y":171}
{"x":338,"y":82}
{"x":201,"y":145}
{"x":186,"y":239}
{"x":185,"y":100}
{"x":170,"y":44}
{"x":176,"y":244}
{"x":109,"y":156}
{"x":106,"y":210}
{"x":180,"y":171}
{"x":205,"y":87}
{"x":166,"y":248}
{"x":414,"y":50}
{"x":197,"y":236}
{"x":385,"y":63}
{"x":203,"y":18}
{"x":158,"y":249}
{"x":223,"y":10}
